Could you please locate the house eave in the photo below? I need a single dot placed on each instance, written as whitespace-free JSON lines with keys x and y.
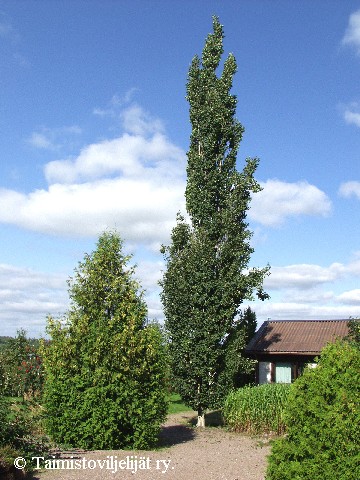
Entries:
{"x":262,"y":352}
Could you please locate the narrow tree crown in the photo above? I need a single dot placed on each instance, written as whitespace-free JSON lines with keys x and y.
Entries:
{"x":103,"y":286}
{"x":216,"y":134}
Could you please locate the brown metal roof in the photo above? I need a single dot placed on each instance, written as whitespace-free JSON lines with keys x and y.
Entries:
{"x":296,"y":336}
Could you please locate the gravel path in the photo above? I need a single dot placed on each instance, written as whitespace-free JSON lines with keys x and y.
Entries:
{"x":187,"y":453}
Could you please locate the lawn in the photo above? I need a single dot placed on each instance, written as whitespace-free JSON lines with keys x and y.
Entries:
{"x":176,"y":405}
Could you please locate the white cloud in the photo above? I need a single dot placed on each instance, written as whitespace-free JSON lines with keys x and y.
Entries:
{"x":280,"y":200}
{"x":131,"y":156}
{"x":349,"y":189}
{"x":53,"y":139}
{"x":302,"y":292}
{"x":352,"y":117}
{"x":351,"y":297}
{"x":350,"y":113}
{"x":303,"y":276}
{"x":303,"y":311}
{"x":138,"y":122}
{"x":116,"y":102}
{"x":314,"y":296}
{"x":141,"y":210}
{"x":149,"y":272}
{"x":40,"y":140}
{"x":134,"y":183}
{"x":29,"y":296}
{"x":308,"y":276}
{"x":16,"y":277}
{"x":352,"y":33}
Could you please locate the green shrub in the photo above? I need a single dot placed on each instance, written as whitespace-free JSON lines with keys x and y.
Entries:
{"x":105,"y":368}
{"x":323,"y":421}
{"x":17,"y":436}
{"x":5,"y":430}
{"x":21,"y":372}
{"x":257,"y":409}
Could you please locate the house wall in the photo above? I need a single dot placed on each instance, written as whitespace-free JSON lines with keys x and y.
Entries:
{"x":265,"y":372}
{"x":281,"y":369}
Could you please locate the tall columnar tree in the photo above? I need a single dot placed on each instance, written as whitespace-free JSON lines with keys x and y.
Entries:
{"x":105,"y":368}
{"x":208,"y":275}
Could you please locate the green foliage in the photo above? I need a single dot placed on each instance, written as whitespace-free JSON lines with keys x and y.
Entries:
{"x":323,"y":421}
{"x":7,"y":432}
{"x":105,"y":384}
{"x":207,"y":264}
{"x":21,"y":371}
{"x":258,"y":409}
{"x":354,"y":331}
{"x":238,"y":370}
{"x":3,"y":341}
{"x":18,"y":436}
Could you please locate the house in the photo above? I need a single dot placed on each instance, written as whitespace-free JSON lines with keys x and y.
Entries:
{"x":284,"y":347}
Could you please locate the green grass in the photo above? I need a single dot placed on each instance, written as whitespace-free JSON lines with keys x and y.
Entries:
{"x":176,"y":405}
{"x":212,"y":418}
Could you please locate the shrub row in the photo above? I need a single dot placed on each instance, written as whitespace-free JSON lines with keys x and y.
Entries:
{"x":257,"y":409}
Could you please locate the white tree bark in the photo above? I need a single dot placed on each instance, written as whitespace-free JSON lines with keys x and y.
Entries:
{"x":201,"y":418}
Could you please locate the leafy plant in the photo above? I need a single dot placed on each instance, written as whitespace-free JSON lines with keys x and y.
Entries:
{"x":21,"y":371}
{"x":207,"y":274}
{"x":18,"y":434}
{"x":354,"y":331}
{"x":323,"y":421}
{"x":257,"y":409}
{"x":105,"y":367}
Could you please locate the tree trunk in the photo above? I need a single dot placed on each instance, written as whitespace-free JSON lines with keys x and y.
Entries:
{"x":201,"y":417}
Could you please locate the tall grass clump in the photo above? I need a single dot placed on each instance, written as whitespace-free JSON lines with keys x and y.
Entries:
{"x":258,"y":409}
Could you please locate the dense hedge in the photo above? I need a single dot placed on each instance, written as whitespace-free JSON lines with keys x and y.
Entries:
{"x":323,"y":421}
{"x":256,"y":409}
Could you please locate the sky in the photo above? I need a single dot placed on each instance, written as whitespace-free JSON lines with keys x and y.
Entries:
{"x":94,"y":130}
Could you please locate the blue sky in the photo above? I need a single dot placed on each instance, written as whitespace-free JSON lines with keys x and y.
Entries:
{"x":94,"y":131}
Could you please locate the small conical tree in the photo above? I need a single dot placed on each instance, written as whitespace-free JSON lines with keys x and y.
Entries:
{"x":105,"y":368}
{"x":207,"y":273}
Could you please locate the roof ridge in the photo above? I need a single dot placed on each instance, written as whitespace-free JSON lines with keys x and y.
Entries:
{"x":310,"y":320}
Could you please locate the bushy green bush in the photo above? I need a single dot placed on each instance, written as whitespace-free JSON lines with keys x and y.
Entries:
{"x":323,"y":421}
{"x":105,"y":368}
{"x":17,"y":435}
{"x":5,"y":430}
{"x":257,"y":409}
{"x":21,"y":372}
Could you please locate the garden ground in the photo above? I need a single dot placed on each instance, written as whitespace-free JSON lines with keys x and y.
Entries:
{"x":186,"y":453}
